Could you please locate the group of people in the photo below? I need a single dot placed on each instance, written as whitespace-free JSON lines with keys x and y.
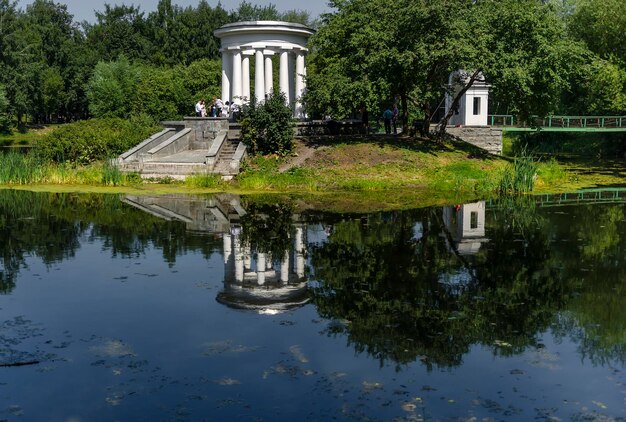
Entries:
{"x":390,"y":118}
{"x":217,"y":108}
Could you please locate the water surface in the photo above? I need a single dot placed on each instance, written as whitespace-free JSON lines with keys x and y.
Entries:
{"x":221,"y":308}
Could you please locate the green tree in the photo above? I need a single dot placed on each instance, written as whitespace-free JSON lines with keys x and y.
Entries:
{"x":119,"y":30}
{"x":5,"y":118}
{"x":160,"y":93}
{"x":376,"y":54}
{"x":52,"y":92}
{"x":601,"y":24}
{"x":202,"y":79}
{"x":112,"y":89}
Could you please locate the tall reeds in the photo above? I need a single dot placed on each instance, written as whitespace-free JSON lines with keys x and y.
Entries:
{"x":520,"y":176}
{"x":19,"y":168}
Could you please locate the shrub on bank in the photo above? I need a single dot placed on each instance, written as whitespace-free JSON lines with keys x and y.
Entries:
{"x":267,"y":128}
{"x":92,"y":140}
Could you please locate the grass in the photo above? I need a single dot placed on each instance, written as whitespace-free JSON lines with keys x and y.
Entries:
{"x":373,"y":166}
{"x":28,"y":138}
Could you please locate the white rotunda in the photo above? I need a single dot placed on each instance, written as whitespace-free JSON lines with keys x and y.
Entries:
{"x":261,"y":40}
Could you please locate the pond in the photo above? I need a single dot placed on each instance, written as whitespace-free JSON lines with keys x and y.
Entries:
{"x":119,"y":307}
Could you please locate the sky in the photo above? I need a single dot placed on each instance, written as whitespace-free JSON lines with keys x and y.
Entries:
{"x":84,"y":9}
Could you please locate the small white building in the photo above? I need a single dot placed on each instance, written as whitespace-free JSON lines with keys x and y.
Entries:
{"x":473,"y":106}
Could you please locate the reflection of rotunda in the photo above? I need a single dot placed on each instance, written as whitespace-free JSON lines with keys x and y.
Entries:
{"x":263,"y":40}
{"x":252,"y":282}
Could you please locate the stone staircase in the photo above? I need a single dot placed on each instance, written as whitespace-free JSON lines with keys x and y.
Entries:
{"x":193,"y":146}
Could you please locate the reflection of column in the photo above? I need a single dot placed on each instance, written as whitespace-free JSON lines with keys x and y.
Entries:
{"x":299,"y":246}
{"x":259,"y":77}
{"x":245,"y":76}
{"x":236,"y":82}
{"x":228,"y":256}
{"x":260,"y":268}
{"x":269,"y":76}
{"x":284,"y":268}
{"x":284,"y":74}
{"x":238,"y":260}
{"x":299,"y":84}
{"x":227,"y":65}
{"x":228,"y":249}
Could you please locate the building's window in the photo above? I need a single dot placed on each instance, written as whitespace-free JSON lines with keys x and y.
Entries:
{"x":476,"y":106}
{"x":474,"y":216}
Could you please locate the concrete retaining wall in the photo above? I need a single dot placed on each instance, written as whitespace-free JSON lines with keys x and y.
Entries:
{"x":204,"y":130}
{"x":484,"y":137}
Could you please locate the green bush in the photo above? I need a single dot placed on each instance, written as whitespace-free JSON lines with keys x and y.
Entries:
{"x":92,"y":140}
{"x":267,"y":128}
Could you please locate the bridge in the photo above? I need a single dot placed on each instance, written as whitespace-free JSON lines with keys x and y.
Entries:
{"x":615,"y":195}
{"x":510,"y":123}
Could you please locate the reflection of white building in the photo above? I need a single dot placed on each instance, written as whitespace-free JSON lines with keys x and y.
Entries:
{"x":253,"y":281}
{"x":473,"y":106}
{"x":466,"y":225}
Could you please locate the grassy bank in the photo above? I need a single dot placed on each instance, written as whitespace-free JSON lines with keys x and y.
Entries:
{"x":435,"y":171}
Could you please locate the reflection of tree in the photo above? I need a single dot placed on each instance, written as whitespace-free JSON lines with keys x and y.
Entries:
{"x":267,"y":227}
{"x":50,"y":225}
{"x":377,"y":276}
{"x":405,"y":298}
{"x":597,"y":313}
{"x":26,"y":228}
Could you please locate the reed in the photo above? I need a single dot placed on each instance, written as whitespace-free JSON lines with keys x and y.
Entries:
{"x":111,"y":174}
{"x":519,"y":177}
{"x":19,"y":168}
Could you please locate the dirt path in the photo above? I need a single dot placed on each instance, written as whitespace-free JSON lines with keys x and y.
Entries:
{"x":303,"y":151}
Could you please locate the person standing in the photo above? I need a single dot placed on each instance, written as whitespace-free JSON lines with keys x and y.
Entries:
{"x":199,"y":108}
{"x":387,"y":116}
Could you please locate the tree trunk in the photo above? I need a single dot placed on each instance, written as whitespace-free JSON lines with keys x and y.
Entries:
{"x":425,"y":130}
{"x":455,"y":103}
{"x":405,"y":112}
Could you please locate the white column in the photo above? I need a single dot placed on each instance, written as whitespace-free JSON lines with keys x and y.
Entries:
{"x":245,"y":77}
{"x":284,"y":268}
{"x":299,"y":84}
{"x":284,"y":75}
{"x":236,"y":81}
{"x":259,"y":77}
{"x":269,"y":75}
{"x":227,"y":65}
{"x":260,"y":268}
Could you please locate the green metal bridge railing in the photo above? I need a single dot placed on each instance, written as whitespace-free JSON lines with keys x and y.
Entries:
{"x":560,"y":123}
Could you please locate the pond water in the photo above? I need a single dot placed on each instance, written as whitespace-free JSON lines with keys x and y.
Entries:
{"x":257,"y":308}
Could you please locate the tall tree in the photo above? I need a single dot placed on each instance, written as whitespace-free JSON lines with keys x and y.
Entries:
{"x":369,"y":53}
{"x":119,"y":30}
